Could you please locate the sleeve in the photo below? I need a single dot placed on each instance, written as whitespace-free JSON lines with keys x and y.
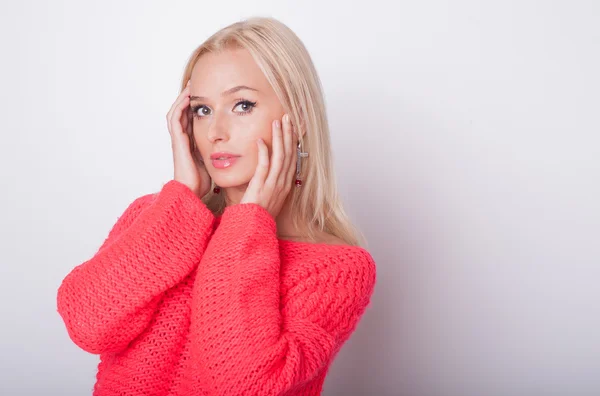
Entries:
{"x":248,"y":337}
{"x":108,"y":300}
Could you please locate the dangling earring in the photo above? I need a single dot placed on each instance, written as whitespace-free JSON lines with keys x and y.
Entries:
{"x":298,"y":163}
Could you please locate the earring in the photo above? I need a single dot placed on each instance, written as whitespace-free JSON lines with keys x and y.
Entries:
{"x":298,"y":163}
{"x":217,"y":189}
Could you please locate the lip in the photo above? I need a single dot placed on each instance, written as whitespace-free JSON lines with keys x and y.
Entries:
{"x":227,"y":160}
{"x":223,"y":154}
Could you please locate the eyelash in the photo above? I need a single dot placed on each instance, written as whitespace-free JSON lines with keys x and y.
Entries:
{"x":239,"y":102}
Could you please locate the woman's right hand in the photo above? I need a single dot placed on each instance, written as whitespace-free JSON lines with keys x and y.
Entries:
{"x":189,"y":166}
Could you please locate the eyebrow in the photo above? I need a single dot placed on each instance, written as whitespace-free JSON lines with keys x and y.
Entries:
{"x":227,"y":92}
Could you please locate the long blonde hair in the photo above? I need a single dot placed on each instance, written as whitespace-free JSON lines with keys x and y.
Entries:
{"x":288,"y":67}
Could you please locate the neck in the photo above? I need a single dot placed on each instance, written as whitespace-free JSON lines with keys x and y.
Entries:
{"x":233,"y":195}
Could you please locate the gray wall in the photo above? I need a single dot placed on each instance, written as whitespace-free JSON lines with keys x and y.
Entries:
{"x":466,"y":143}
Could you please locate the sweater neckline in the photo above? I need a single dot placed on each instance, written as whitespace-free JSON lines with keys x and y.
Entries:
{"x":303,"y":245}
{"x":318,"y":247}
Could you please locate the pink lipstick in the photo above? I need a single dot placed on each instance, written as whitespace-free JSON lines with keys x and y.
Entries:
{"x":223,"y":160}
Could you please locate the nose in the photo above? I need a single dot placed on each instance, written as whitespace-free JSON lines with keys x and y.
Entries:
{"x":217,"y":129}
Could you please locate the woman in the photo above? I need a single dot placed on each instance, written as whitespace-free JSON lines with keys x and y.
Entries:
{"x":242,"y":275}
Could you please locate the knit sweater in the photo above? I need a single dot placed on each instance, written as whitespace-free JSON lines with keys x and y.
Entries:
{"x":178,"y":301}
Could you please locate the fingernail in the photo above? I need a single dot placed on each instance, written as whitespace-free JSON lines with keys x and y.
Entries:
{"x":286,"y":118}
{"x":276,"y":123}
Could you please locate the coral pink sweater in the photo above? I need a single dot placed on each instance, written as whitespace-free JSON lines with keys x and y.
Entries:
{"x":179,"y":302}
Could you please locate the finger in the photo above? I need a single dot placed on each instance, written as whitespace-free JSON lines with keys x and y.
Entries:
{"x":186,"y":122}
{"x":189,"y":122}
{"x":178,"y":114}
{"x":277,"y":156}
{"x":179,"y":97}
{"x":185,"y":93}
{"x":190,"y":130}
{"x":182,"y":97}
{"x":174,"y":120}
{"x":262,"y":167}
{"x":293,"y":159}
{"x":288,"y":149}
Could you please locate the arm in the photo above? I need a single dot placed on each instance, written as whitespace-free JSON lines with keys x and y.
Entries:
{"x":247,"y":338}
{"x":108,"y":300}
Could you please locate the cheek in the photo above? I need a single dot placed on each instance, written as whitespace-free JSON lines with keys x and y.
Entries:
{"x":260,"y":128}
{"x":248,"y":135}
{"x":266,"y":132}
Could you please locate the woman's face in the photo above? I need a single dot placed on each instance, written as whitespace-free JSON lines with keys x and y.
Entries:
{"x":233,"y":105}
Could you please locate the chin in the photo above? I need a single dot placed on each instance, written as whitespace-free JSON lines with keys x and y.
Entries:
{"x":232,"y":179}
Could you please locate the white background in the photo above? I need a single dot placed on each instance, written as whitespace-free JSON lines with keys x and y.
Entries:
{"x":466,"y":144}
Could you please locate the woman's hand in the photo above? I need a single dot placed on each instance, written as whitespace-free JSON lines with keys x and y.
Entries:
{"x":188,"y":164}
{"x":273,"y":180}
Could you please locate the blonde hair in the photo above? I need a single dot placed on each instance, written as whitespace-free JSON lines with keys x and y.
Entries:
{"x":288,"y":67}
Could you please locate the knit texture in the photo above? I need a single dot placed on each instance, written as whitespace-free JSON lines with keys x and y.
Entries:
{"x":179,"y":302}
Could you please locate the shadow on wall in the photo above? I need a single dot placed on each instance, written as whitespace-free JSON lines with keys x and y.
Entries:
{"x":369,"y":363}
{"x":398,"y":217}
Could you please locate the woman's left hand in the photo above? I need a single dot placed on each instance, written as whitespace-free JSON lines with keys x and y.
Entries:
{"x":273,"y":180}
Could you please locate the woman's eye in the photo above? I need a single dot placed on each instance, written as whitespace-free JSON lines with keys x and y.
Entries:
{"x":247,"y":106}
{"x":200,"y":111}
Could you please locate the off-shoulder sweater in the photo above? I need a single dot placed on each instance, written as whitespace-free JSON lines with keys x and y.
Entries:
{"x":178,"y":301}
